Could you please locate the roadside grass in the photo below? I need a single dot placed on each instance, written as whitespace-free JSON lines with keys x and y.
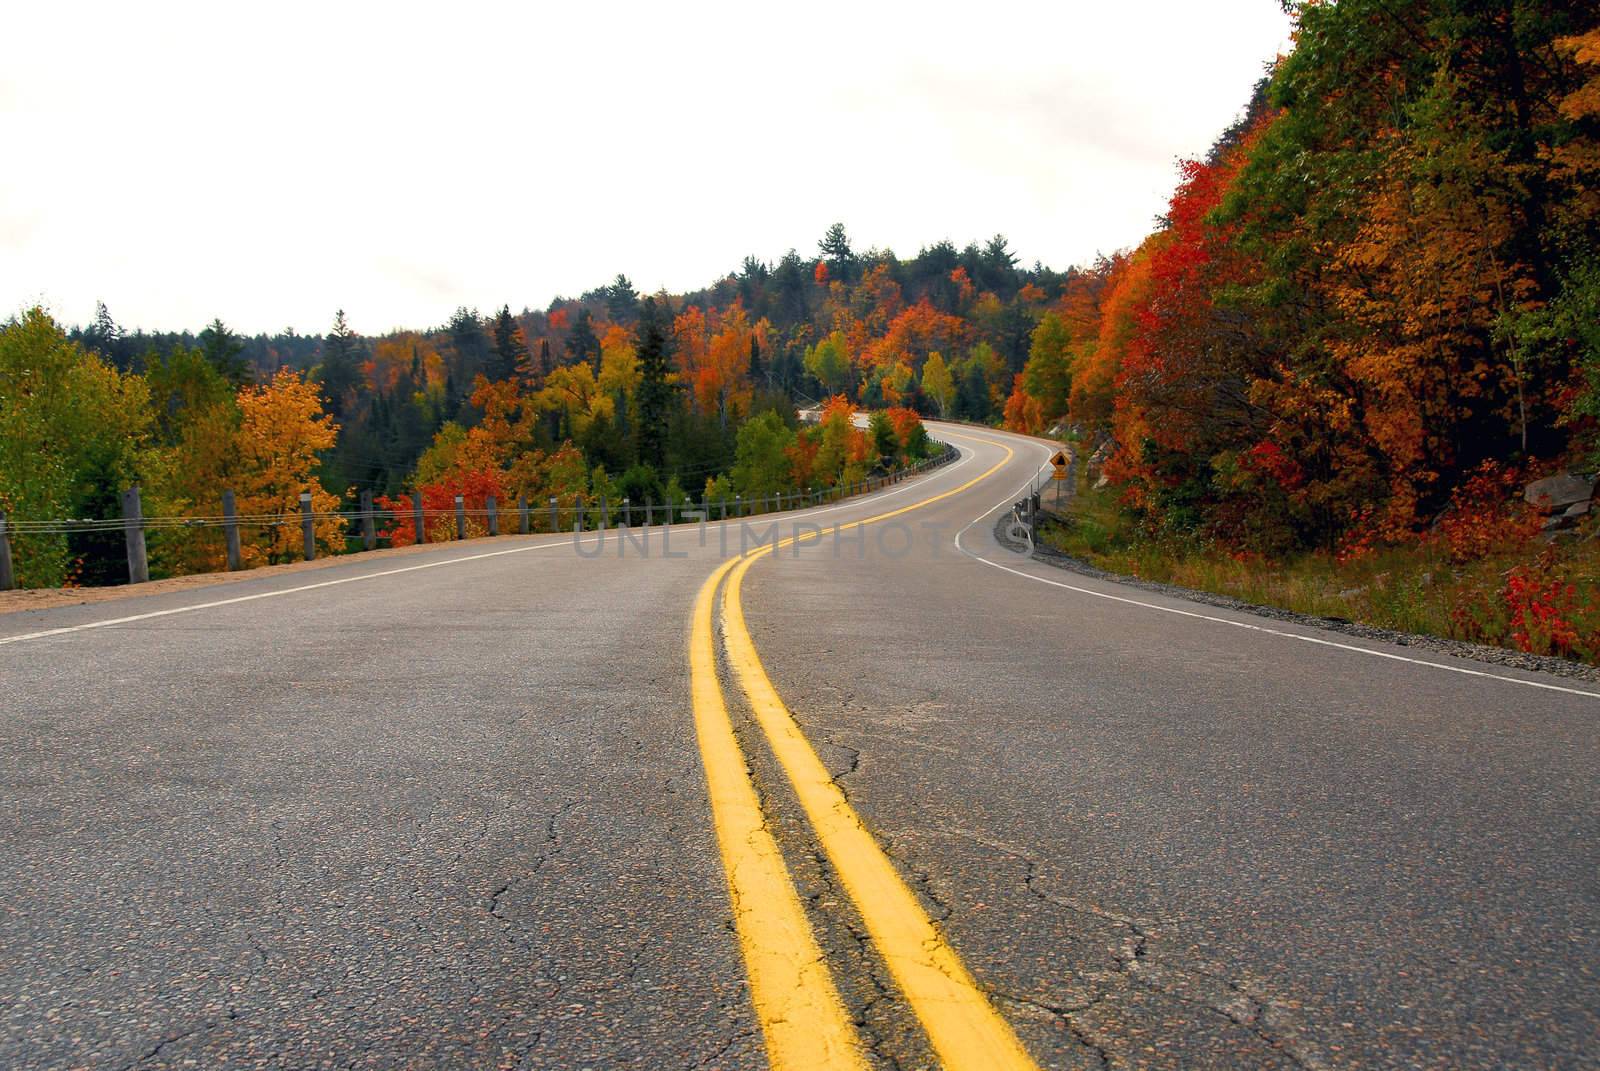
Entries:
{"x":1542,"y":600}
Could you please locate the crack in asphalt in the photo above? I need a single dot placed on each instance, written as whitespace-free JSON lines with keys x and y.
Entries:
{"x":837,"y":917}
{"x":1267,"y":1018}
{"x":183,"y":1035}
{"x":722,"y":1050}
{"x":882,"y":992}
{"x":1259,"y":1014}
{"x":253,"y":940}
{"x":171,"y":1039}
{"x":551,"y":848}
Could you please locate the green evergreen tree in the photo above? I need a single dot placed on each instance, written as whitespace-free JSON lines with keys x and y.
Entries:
{"x":510,"y":351}
{"x":653,"y":396}
{"x":225,"y":352}
{"x":622,"y":301}
{"x":340,"y":369}
{"x":835,"y":249}
{"x":582,"y":343}
{"x":469,"y":347}
{"x":756,"y":370}
{"x":106,"y":337}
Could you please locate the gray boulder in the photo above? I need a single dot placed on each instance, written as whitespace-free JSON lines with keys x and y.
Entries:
{"x":1096,"y":462}
{"x":1558,"y":492}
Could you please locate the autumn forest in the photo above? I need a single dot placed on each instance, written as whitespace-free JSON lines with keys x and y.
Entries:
{"x":1368,"y":313}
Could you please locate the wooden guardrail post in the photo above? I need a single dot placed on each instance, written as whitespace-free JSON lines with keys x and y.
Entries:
{"x":133,"y":528}
{"x":8,"y":579}
{"x":230,"y":531}
{"x":308,"y":527}
{"x":369,"y":527}
{"x":555,"y":514}
{"x":494,"y":515}
{"x":525,"y":522}
{"x":461,"y":517}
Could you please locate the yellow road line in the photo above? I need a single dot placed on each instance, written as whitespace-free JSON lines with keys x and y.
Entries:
{"x":963,"y":1027}
{"x":802,"y":1018}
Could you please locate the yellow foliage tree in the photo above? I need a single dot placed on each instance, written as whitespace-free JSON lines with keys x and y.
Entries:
{"x":282,"y":428}
{"x":937,"y":383}
{"x":619,"y":363}
{"x":573,"y":390}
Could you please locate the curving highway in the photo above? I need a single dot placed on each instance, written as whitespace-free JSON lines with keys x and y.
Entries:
{"x":863,"y":790}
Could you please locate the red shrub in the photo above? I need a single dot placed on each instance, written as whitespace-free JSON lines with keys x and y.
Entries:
{"x":439,"y":503}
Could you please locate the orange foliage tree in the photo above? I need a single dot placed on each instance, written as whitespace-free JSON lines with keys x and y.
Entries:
{"x":282,"y":430}
{"x":1023,"y":412}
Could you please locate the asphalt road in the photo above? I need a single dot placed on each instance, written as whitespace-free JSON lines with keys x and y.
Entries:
{"x":452,"y":811}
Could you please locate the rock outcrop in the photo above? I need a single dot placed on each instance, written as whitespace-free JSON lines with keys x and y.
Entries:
{"x":1565,"y":499}
{"x":1555,"y":493}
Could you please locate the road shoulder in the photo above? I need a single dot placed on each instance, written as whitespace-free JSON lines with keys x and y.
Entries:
{"x":1498,"y":656}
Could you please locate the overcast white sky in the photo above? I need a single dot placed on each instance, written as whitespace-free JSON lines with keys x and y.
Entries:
{"x":269,"y":163}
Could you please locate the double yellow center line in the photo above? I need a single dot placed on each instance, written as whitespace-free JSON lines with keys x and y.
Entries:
{"x":803,"y":1020}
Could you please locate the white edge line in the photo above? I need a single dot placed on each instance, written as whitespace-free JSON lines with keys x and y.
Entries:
{"x":267,"y":594}
{"x":1247,"y":625}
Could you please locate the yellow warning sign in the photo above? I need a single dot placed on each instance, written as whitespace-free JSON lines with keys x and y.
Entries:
{"x":1059,"y":474}
{"x":1059,"y":459}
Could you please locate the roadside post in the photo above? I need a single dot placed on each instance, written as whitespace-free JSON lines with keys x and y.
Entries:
{"x":308,"y":527}
{"x":369,"y":529}
{"x":1061,"y":463}
{"x":133,"y":528}
{"x":461,"y":517}
{"x":8,"y":579}
{"x":230,"y":530}
{"x":494,"y":515}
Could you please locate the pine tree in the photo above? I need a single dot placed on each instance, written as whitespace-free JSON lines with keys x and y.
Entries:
{"x":469,"y":345}
{"x":582,"y":343}
{"x":622,"y":301}
{"x":835,"y":249}
{"x":105,"y":336}
{"x":224,"y":350}
{"x":653,"y":397}
{"x":340,"y":371}
{"x":535,"y":369}
{"x":790,"y":282}
{"x":510,"y":348}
